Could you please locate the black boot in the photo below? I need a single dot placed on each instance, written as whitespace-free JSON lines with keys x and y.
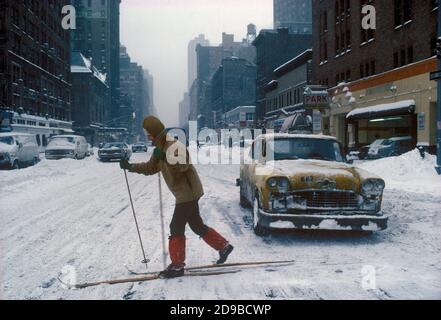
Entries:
{"x":223,"y":254}
{"x":172,"y":272}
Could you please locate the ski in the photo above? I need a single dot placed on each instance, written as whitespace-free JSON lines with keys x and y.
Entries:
{"x":145,"y":278}
{"x":220,"y":266}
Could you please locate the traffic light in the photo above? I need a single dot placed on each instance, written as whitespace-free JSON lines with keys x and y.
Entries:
{"x":438,"y":48}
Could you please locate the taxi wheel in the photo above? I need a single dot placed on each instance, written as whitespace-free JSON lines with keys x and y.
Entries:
{"x":243,"y":200}
{"x":259,"y":230}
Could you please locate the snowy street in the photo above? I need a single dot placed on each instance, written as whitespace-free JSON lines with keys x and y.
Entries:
{"x":77,"y":213}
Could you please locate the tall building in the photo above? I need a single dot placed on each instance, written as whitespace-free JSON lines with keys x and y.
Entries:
{"x":97,"y":37}
{"x":379,"y":79}
{"x":233,"y":85}
{"x":184,"y":111}
{"x":296,"y":15}
{"x":192,"y":59}
{"x":34,"y":59}
{"x":209,"y":59}
{"x":90,"y":96}
{"x":149,"y":82}
{"x":275,"y":47}
{"x":134,"y":90}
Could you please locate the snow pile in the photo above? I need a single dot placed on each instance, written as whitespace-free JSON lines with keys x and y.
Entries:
{"x":408,"y":172}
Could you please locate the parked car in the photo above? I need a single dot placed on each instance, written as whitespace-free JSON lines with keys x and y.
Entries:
{"x":114,"y":151}
{"x":67,"y":146}
{"x":139,"y":147}
{"x":392,"y":147}
{"x":18,"y":150}
{"x":303,"y":182}
{"x":90,"y":151}
{"x":364,"y":151}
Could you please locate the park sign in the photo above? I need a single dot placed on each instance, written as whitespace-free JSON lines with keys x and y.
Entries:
{"x":316,"y":99}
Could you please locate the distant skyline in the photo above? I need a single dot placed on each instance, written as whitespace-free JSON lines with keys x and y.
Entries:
{"x":157,"y":32}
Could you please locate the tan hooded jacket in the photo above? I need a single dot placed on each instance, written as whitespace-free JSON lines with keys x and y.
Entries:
{"x":181,"y":178}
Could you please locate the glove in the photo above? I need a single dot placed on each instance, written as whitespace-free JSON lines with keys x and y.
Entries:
{"x":125,"y":165}
{"x":158,"y":154}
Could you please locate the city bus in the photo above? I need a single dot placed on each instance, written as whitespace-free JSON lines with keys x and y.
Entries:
{"x":42,"y":127}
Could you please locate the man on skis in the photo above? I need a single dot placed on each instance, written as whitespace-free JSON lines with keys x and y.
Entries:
{"x":183,"y":181}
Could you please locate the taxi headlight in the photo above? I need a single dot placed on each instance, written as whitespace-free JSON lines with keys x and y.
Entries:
{"x":373,"y":187}
{"x":279,"y":184}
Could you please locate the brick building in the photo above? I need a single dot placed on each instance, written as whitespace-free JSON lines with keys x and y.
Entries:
{"x":35,"y":59}
{"x":383,"y":73}
{"x":275,"y":47}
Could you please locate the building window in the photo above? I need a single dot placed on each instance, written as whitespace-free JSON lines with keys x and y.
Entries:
{"x":403,"y":12}
{"x":410,"y":55}
{"x":342,"y":27}
{"x":402,"y":57}
{"x":323,"y":40}
{"x":396,"y":60}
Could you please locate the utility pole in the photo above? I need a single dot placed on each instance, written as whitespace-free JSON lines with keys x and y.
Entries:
{"x":438,"y":123}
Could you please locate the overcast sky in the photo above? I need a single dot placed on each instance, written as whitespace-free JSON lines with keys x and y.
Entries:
{"x":156,"y":34}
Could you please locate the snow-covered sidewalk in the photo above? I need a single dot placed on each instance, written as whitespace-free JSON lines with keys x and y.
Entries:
{"x":75,"y":215}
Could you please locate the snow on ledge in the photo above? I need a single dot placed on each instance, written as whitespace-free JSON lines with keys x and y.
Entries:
{"x":382,"y":107}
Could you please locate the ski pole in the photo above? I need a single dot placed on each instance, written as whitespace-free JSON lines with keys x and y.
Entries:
{"x":145,"y":261}
{"x":161,"y":209}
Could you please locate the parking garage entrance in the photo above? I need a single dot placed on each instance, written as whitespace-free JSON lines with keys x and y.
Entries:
{"x":382,"y":122}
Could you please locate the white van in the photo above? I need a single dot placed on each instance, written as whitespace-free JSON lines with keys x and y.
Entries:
{"x":67,"y":146}
{"x":18,"y":150}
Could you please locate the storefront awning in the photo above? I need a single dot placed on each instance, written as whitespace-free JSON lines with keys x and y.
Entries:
{"x":383,"y":110}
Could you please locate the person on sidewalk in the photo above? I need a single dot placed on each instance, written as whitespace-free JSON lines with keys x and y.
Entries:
{"x":183,"y":181}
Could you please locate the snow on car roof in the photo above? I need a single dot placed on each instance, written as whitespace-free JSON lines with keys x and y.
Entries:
{"x":399,"y":138}
{"x":293,"y":135}
{"x":65,"y":136}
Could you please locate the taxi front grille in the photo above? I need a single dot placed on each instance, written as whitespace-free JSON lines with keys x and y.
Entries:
{"x":329,"y":199}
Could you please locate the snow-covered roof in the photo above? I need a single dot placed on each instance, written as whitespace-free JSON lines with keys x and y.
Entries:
{"x":305,"y":53}
{"x":80,"y":64}
{"x":381,"y":108}
{"x":14,"y":134}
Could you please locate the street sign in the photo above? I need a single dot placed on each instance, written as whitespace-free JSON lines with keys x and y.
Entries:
{"x":421,"y":121}
{"x":317,"y":122}
{"x":436,"y":75}
{"x":316,"y":100}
